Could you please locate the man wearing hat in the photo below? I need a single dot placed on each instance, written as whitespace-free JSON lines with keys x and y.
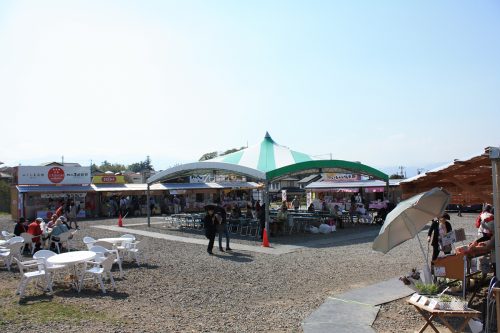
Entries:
{"x":210,"y":224}
{"x":35,"y":230}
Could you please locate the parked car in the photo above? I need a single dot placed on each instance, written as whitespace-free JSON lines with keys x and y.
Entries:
{"x":473,"y":208}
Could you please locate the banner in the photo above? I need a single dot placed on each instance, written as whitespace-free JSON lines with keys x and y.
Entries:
{"x":342,"y":177}
{"x":52,"y":175}
{"x":108,"y":179}
{"x":283,"y":195}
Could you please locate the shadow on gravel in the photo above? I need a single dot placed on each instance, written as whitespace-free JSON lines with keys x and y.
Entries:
{"x":234,"y":256}
{"x":93,"y":293}
{"x":133,"y":265}
{"x":30,"y":300}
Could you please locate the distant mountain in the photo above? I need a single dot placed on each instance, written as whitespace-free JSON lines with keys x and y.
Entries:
{"x":410,"y":171}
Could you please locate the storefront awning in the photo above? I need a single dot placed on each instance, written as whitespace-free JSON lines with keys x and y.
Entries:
{"x":52,"y":189}
{"x":366,"y":184}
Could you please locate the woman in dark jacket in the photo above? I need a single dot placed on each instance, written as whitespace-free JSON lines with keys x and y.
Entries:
{"x":433,"y":236}
{"x":210,"y":223}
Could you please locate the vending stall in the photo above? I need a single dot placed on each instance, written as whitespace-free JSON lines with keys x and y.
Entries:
{"x":39,"y":190}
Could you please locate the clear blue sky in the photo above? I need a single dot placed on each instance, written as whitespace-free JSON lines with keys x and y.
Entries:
{"x":387,"y":83}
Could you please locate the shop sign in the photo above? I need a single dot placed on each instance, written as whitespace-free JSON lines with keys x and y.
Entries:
{"x":53,"y":175}
{"x":177,"y":192}
{"x":283,"y":195}
{"x":342,"y":177}
{"x":62,"y":195}
{"x":108,"y":179}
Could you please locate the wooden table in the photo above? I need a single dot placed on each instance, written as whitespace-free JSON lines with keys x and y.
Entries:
{"x":430,"y":314}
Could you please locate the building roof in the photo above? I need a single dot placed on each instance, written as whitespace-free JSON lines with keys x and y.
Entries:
{"x":468,"y":180}
{"x":309,"y":179}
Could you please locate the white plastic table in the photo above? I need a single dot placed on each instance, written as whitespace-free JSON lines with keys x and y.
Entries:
{"x":114,"y":241}
{"x":3,"y":242}
{"x":72,"y":259}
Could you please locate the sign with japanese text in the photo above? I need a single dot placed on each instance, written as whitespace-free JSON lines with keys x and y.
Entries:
{"x":342,"y":177}
{"x":53,"y":175}
{"x":108,"y":179}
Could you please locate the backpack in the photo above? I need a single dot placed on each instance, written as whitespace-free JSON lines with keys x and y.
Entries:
{"x":478,"y":221}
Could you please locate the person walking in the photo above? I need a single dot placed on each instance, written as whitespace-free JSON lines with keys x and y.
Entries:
{"x":210,"y":225}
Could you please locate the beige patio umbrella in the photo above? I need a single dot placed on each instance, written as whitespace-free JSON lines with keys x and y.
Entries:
{"x":409,"y":218}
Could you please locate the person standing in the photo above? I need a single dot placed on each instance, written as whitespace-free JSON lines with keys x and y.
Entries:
{"x":261,"y":215}
{"x":485,"y":228}
{"x":19,"y":227}
{"x":296,"y":203}
{"x":439,"y":228}
{"x":152,"y":205}
{"x":72,"y":214}
{"x":210,"y":225}
{"x":222,"y":227}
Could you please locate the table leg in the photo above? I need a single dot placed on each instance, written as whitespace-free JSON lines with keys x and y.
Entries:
{"x":447,"y":324}
{"x":428,"y":321}
{"x":466,"y":321}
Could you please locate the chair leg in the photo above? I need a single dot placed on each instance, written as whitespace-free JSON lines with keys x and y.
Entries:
{"x":120,"y":267}
{"x":101,"y":283}
{"x":48,"y":279}
{"x":80,"y":285}
{"x":112,"y":280}
{"x":24,"y":283}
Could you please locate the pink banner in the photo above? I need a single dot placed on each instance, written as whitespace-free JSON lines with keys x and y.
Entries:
{"x":374,"y":189}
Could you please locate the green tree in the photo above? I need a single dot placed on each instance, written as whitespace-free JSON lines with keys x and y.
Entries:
{"x":208,"y":156}
{"x":4,"y":197}
{"x":214,"y":154}
{"x":141,"y":166}
{"x":116,"y":167}
{"x":396,"y":176}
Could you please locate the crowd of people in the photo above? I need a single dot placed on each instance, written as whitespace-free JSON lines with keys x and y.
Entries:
{"x":43,"y":231}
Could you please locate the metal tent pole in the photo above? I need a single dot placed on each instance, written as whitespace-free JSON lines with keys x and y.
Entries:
{"x":147,"y":206}
{"x":495,"y":164}
{"x":266,"y":203}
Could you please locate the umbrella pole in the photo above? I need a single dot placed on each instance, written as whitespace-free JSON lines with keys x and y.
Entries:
{"x":427,"y":270}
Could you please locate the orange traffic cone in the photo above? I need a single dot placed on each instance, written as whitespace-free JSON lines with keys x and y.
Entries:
{"x":265,"y":240}
{"x":120,"y":222}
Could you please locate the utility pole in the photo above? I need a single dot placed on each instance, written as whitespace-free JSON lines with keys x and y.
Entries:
{"x":402,"y":172}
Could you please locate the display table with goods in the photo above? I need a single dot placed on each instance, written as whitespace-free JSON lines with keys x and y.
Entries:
{"x":432,"y":308}
{"x":461,"y":266}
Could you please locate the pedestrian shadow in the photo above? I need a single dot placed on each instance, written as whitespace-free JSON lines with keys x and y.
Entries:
{"x":234,"y":256}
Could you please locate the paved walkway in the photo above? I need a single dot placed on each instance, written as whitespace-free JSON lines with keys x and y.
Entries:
{"x":355,"y":310}
{"x":276,"y":249}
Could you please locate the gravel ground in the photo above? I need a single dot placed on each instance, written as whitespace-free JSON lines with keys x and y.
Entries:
{"x":183,"y":289}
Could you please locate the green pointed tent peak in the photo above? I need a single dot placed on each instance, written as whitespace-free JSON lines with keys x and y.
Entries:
{"x":267,"y":137}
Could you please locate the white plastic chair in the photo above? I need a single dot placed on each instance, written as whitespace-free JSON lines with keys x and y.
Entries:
{"x":11,"y":250}
{"x":104,"y":249}
{"x":132,"y":248}
{"x":27,"y":274}
{"x":100,"y":268}
{"x":89,"y":241}
{"x":62,"y":238}
{"x":128,"y":236}
{"x":7,"y":235}
{"x":43,"y":255}
{"x":28,"y":241}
